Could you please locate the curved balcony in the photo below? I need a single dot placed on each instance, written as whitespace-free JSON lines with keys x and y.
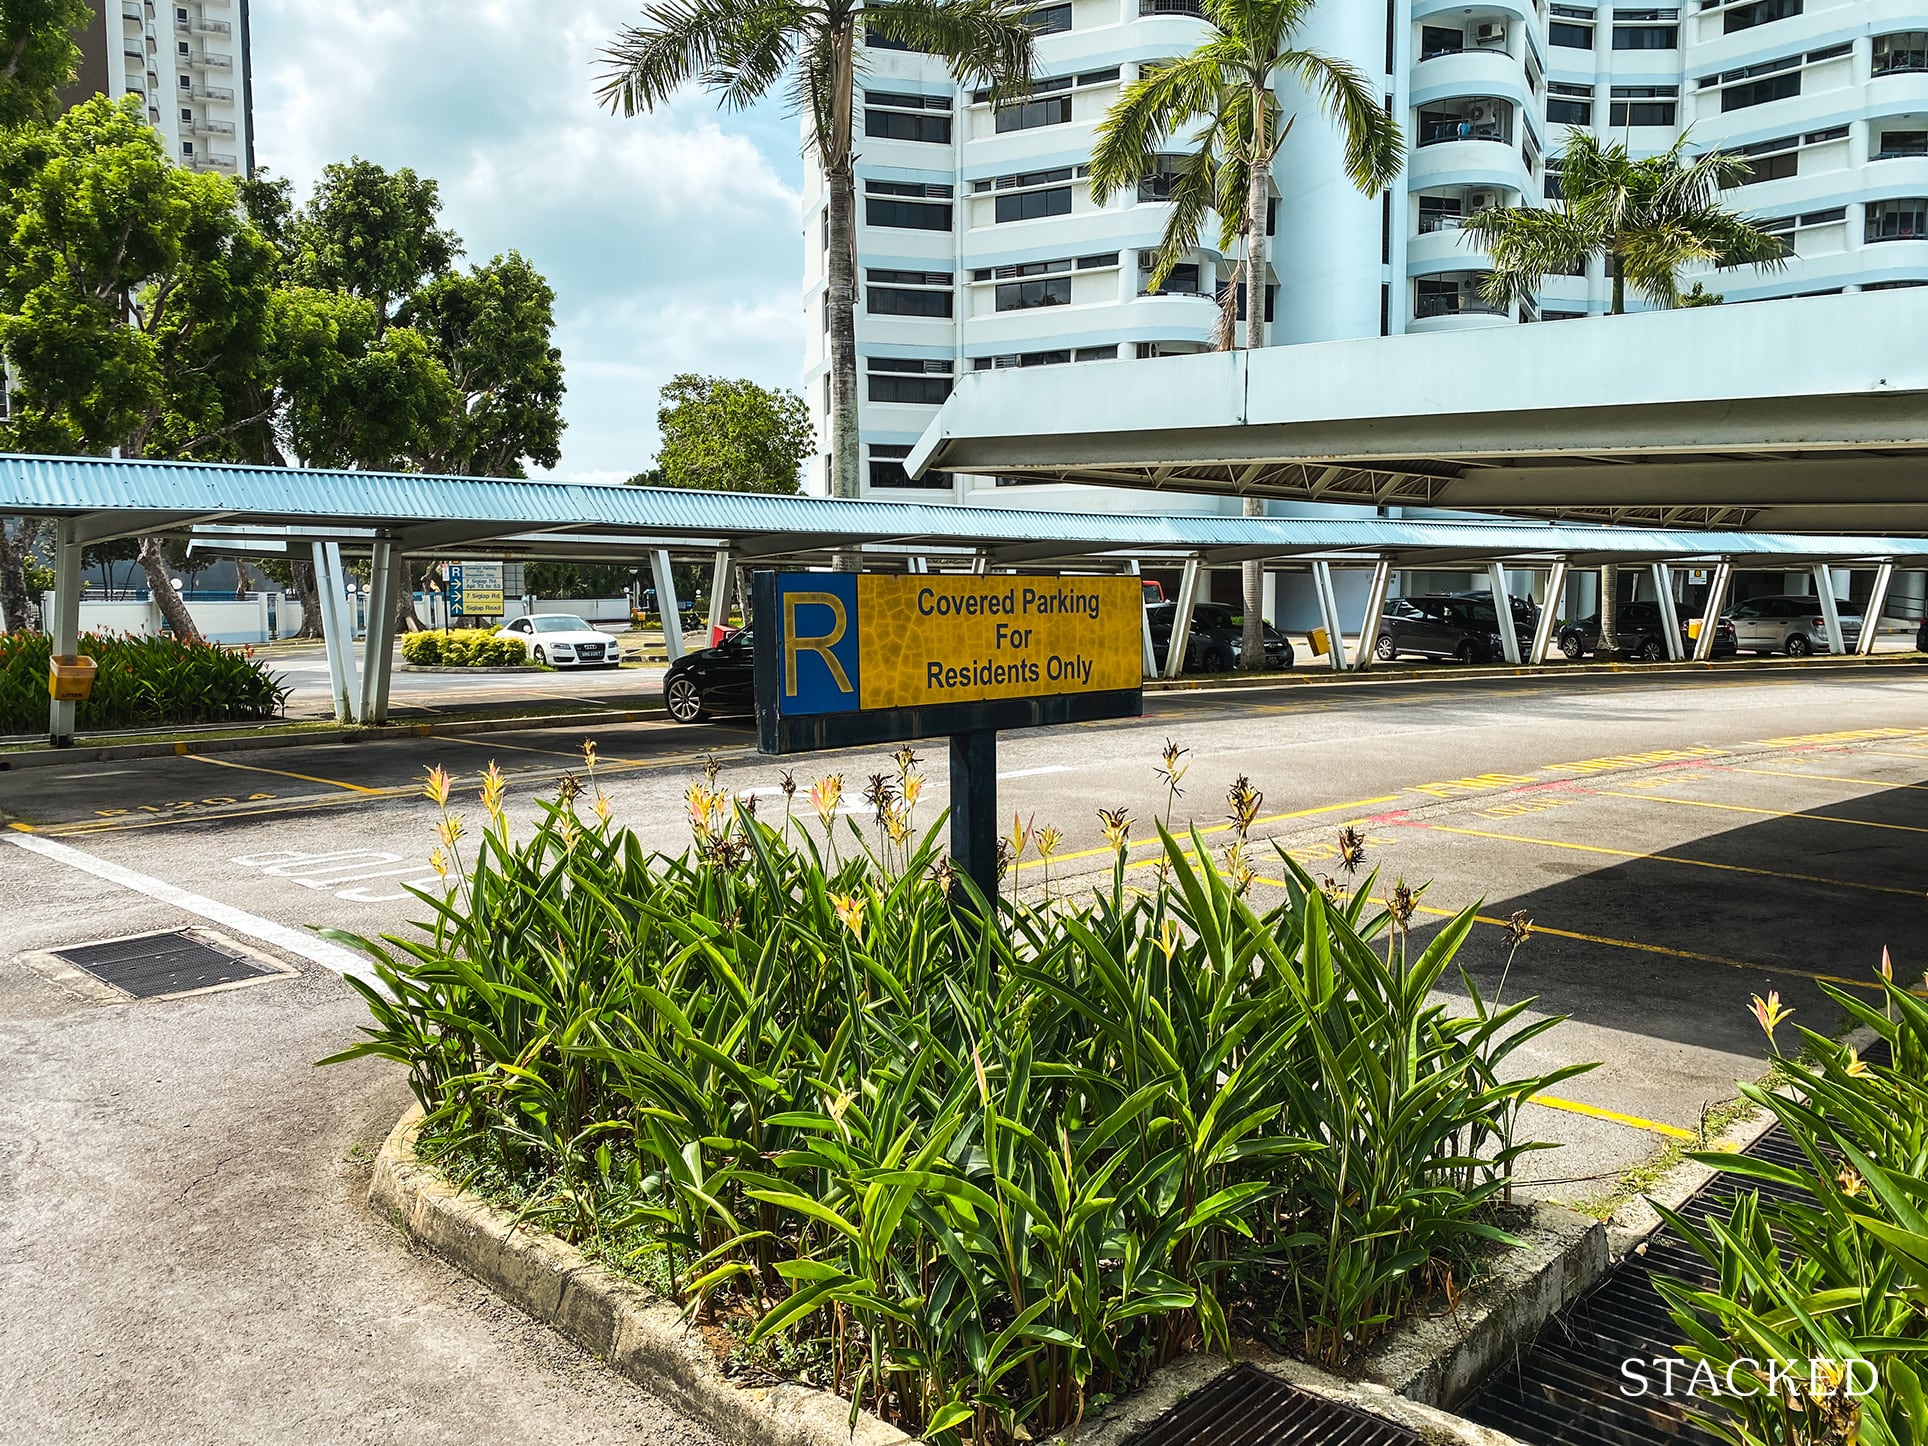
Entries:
{"x":1447,"y":249}
{"x":1474,"y":71}
{"x":1516,"y":10}
{"x":1468,"y":163}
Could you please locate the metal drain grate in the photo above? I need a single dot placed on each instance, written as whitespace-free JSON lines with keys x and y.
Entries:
{"x":1564,"y":1389}
{"x":1246,"y":1407}
{"x":156,"y":964}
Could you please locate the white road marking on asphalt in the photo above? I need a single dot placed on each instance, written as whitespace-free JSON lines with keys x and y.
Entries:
{"x":327,"y":872}
{"x":295,"y":941}
{"x":1036,"y":772}
{"x":101,"y":773}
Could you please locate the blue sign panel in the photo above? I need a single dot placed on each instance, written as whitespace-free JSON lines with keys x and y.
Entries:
{"x":817,"y":620}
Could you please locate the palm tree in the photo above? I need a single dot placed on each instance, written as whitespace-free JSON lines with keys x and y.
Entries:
{"x":1649,"y":219}
{"x":742,"y":49}
{"x":1228,"y":86}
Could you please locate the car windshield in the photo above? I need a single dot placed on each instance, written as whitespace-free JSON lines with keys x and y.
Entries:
{"x":561,"y":623}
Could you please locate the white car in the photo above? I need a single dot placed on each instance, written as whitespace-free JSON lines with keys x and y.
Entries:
{"x":563,"y":640}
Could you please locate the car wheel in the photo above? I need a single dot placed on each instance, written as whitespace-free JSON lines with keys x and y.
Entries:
{"x":1211,"y":661}
{"x":684,"y":700}
{"x":1573,"y":647}
{"x":541,"y":657}
{"x":1798,"y":646}
{"x":1384,"y":650}
{"x":1468,"y":652}
{"x":1652,"y":651}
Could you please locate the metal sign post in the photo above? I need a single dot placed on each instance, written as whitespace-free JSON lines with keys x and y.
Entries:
{"x":849,"y":659}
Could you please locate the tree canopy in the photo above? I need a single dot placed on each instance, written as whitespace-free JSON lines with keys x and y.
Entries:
{"x":37,"y":55}
{"x":721,"y":435}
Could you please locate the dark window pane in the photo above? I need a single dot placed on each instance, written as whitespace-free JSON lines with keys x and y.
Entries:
{"x":1569,"y":112}
{"x":889,"y":474}
{"x":1574,"y":37}
{"x":1032,"y":204}
{"x":1746,"y":17}
{"x":1646,"y":37}
{"x":925,"y":390}
{"x":907,"y":215}
{"x":1023,"y":295}
{"x":891,"y":301}
{"x":1642,"y":113}
{"x":1049,"y":19}
{"x":1760,"y":92}
{"x":1027,"y":115}
{"x":895,"y":125}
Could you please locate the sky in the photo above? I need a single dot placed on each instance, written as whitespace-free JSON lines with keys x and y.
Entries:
{"x":672,"y":240}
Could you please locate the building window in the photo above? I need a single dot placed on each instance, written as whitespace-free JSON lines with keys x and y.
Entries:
{"x":1439,"y":213}
{"x":1195,"y":8}
{"x":878,"y":41}
{"x":903,"y":301}
{"x":1031,"y":205}
{"x":904,"y":379}
{"x":1570,"y":27}
{"x":1643,"y":105}
{"x":1184,"y":279}
{"x":1156,"y":184}
{"x":1895,"y":144}
{"x":1271,"y":302}
{"x":886,"y":203}
{"x":1060,"y":357}
{"x":1761,"y":12}
{"x":887,"y":466}
{"x":1450,"y":296}
{"x":1569,"y":105}
{"x":187,"y":117}
{"x":1439,"y":40}
{"x":187,"y":148}
{"x":1043,"y":291}
{"x":1051,"y":110}
{"x":1761,"y":92}
{"x":897,"y":125}
{"x":1905,"y":219}
{"x":1646,"y":30}
{"x":1901,"y":53}
{"x":1049,"y":19}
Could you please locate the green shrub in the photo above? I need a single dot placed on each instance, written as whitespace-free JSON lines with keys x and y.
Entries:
{"x":970,"y":1163}
{"x":142,"y":682}
{"x":463,"y":648}
{"x":1829,"y":1276}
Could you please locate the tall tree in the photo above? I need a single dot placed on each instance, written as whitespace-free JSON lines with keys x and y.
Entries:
{"x":742,"y":49}
{"x":37,"y":55}
{"x":1227,"y":90}
{"x":134,"y":301}
{"x":732,"y":436}
{"x":1649,"y":219}
{"x":373,"y":233}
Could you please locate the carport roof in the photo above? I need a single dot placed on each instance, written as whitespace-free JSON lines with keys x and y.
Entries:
{"x":241,"y":507}
{"x":1801,"y":415}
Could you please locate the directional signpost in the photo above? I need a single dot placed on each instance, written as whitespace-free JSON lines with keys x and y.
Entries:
{"x":849,"y":659}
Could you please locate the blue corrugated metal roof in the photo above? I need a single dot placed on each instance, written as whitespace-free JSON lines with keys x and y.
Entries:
{"x":177,"y":493}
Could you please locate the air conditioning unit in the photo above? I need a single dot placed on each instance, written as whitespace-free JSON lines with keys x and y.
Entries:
{"x":1481,"y":114}
{"x":1147,"y":260}
{"x":1481,"y":201}
{"x":1490,"y":32}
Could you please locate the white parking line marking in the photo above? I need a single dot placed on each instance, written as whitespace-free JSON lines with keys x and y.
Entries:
{"x":1036,"y":772}
{"x":296,"y":941}
{"x":327,"y":872}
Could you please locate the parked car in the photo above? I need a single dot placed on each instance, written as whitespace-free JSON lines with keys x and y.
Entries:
{"x":1526,"y":612}
{"x":1641,"y":634}
{"x":1791,"y":625}
{"x":563,"y":640}
{"x":1444,"y":626}
{"x":1217,"y":639}
{"x":712,"y":681}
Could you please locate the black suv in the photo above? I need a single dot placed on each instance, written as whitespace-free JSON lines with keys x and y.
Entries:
{"x":1217,"y":638}
{"x":714,"y":680}
{"x":1445,"y":626}
{"x":1642,"y":635}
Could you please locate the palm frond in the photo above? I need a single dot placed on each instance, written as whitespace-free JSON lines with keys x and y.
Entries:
{"x":689,"y":40}
{"x":1375,"y":148}
{"x":1128,"y":140}
{"x":1527,"y":244}
{"x":1194,"y":195}
{"x":983,"y":40}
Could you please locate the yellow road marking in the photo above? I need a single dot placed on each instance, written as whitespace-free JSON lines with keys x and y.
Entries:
{"x":1831,"y":778}
{"x":1759,"y":812}
{"x":281,"y":773}
{"x":1552,"y":843}
{"x":1633,"y":944}
{"x":546,"y":752}
{"x":1672,"y":1132}
{"x":23,"y":827}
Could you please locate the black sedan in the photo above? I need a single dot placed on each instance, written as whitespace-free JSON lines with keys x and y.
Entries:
{"x":1217,"y":638}
{"x":711,"y":681}
{"x":1642,"y":635}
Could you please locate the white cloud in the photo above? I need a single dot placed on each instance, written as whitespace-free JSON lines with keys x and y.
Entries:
{"x":672,"y":240}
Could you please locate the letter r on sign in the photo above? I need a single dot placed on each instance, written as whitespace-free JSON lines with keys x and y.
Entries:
{"x":821,"y":643}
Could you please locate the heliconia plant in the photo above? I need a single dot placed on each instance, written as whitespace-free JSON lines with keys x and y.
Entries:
{"x":970,"y":1162}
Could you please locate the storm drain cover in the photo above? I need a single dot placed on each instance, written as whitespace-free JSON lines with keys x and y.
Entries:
{"x":155,"y":964}
{"x":1247,"y":1407}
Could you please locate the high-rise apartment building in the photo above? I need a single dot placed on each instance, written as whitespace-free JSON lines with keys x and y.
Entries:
{"x":979,"y":245}
{"x":188,"y":62}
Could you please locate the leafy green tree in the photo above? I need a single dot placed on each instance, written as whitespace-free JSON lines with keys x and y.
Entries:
{"x":721,"y":435}
{"x":37,"y":55}
{"x":1649,"y":219}
{"x":742,"y":49}
{"x":373,"y":233}
{"x":135,"y":301}
{"x":1226,"y":91}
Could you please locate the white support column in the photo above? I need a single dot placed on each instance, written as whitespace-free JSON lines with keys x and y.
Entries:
{"x":1375,"y":607}
{"x":919,"y":565}
{"x":1871,"y":614}
{"x":1549,"y":612}
{"x":1176,"y":649}
{"x":1663,"y":577}
{"x":1144,"y":620}
{"x":668,"y":608}
{"x":337,"y":629}
{"x":981,"y":564}
{"x":1503,"y":613}
{"x":1716,"y":603}
{"x":722,"y":583}
{"x":1830,"y":614}
{"x":385,"y":575}
{"x":1329,"y":615}
{"x":66,"y":622}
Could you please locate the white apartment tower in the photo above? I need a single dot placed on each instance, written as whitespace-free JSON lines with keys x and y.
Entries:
{"x":188,"y":62}
{"x":979,"y":245}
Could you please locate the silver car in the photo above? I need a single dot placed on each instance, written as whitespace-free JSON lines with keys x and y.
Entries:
{"x":1791,"y":625}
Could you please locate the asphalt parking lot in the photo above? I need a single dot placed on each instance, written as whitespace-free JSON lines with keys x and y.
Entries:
{"x":1681,"y":842}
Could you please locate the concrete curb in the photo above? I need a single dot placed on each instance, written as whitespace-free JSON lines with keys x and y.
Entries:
{"x":1437,"y":1360}
{"x":450,"y":668}
{"x":392,"y":733}
{"x":1446,"y":672}
{"x":617,"y":1321}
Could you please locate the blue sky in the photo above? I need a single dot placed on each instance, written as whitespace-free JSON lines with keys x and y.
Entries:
{"x":672,"y":241}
